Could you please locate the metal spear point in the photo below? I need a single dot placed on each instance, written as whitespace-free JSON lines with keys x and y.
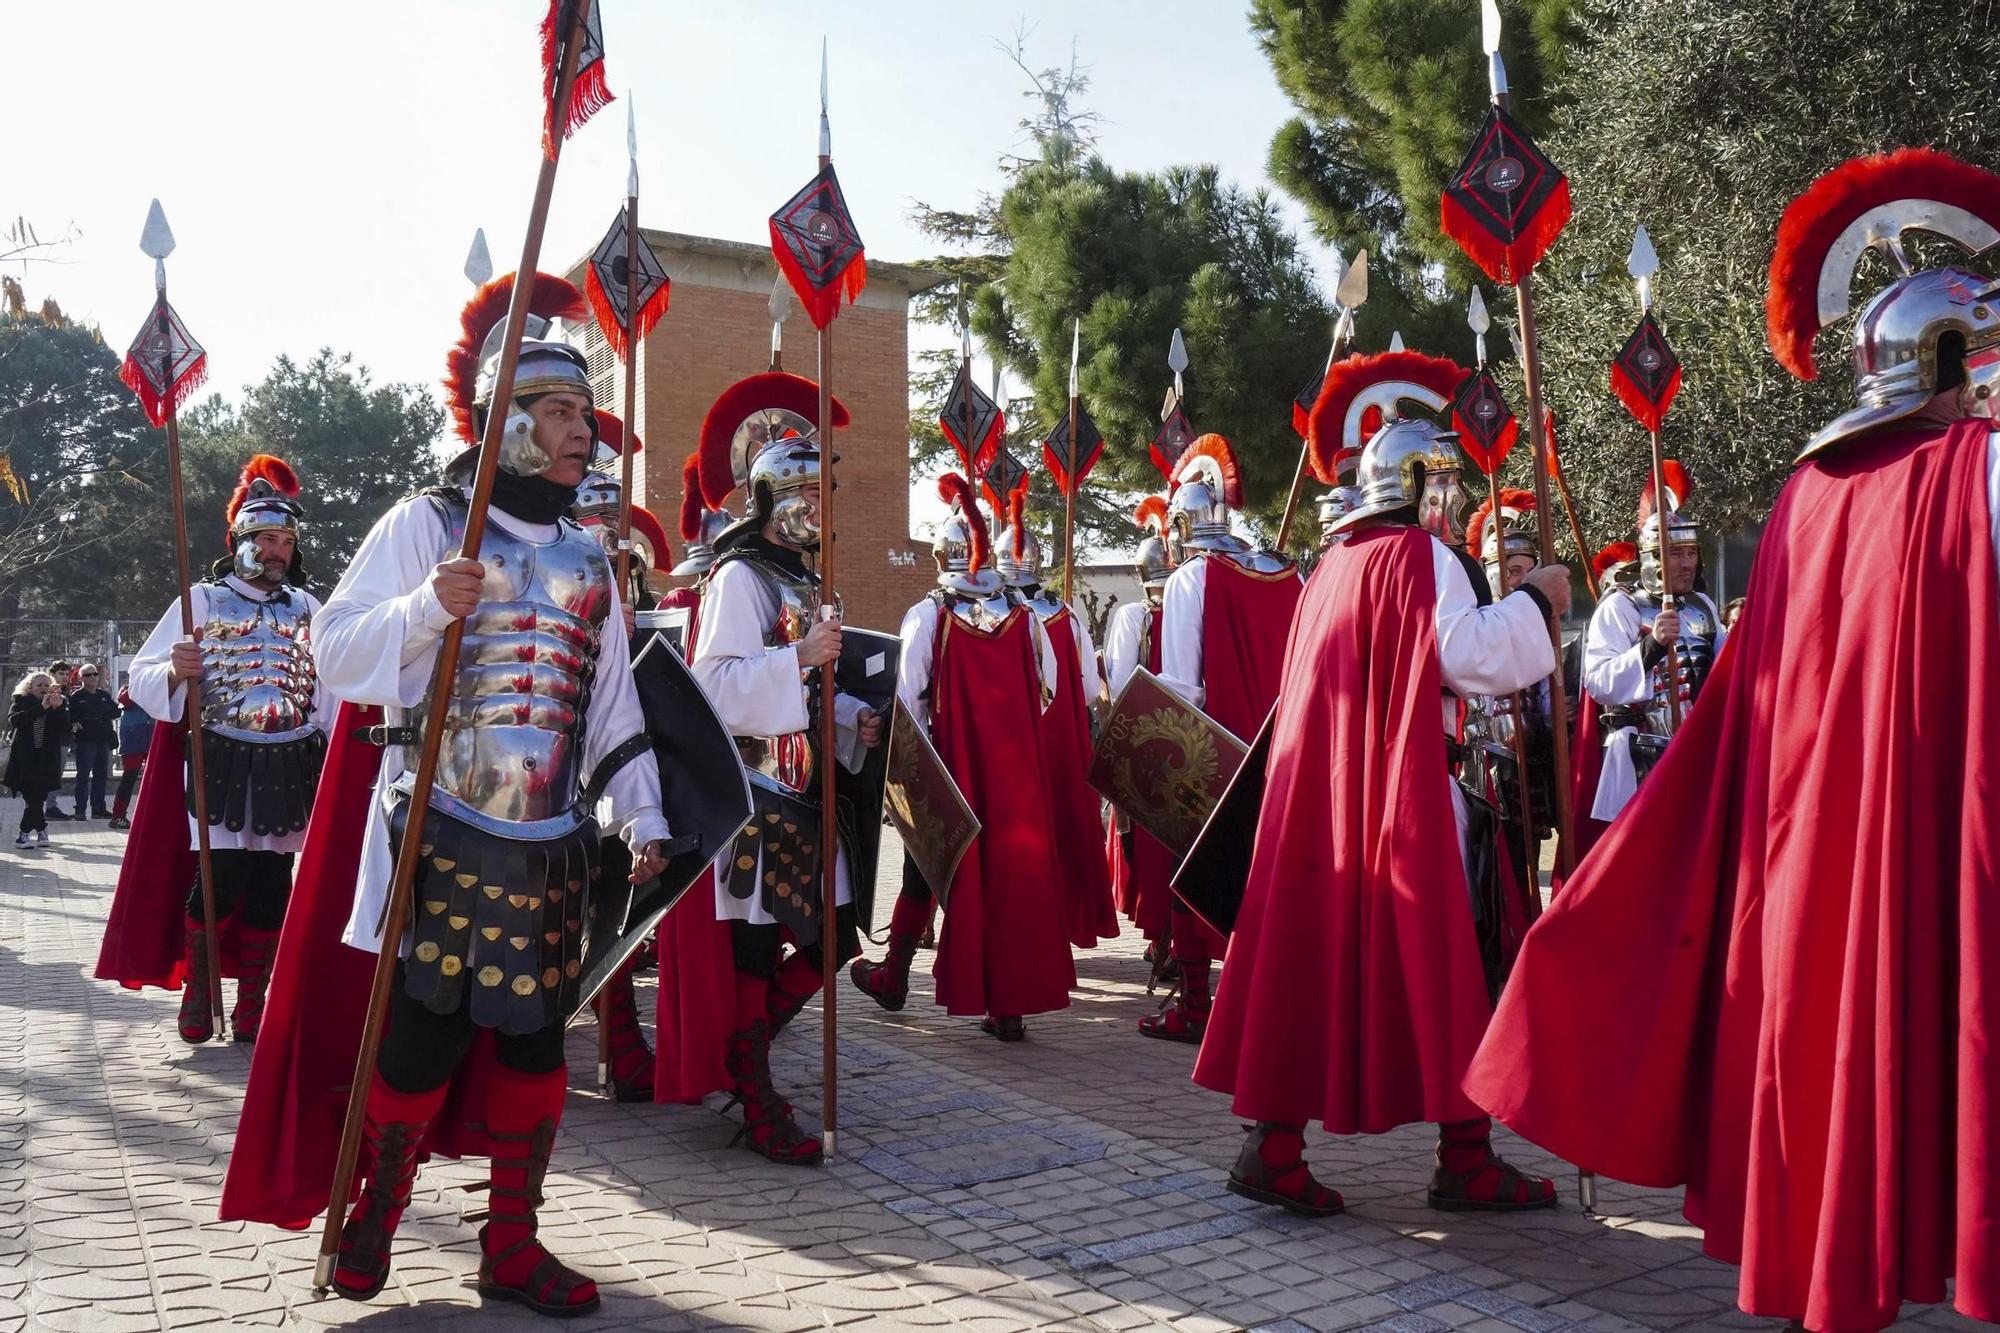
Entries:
{"x":1520,"y":348}
{"x":1075,"y":352}
{"x":1476,"y":316}
{"x":1396,"y":341}
{"x":478,"y":263}
{"x":631,"y":148}
{"x":1489,"y":41}
{"x":825,"y":126}
{"x":1642,"y":264}
{"x":157,"y":242}
{"x":1177,"y":361}
{"x":781,"y":306}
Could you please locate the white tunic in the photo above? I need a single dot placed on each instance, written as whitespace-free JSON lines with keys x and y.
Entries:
{"x":1089,"y":679}
{"x":1615,"y":673}
{"x":376,"y":642}
{"x":148,"y":683}
{"x":1123,"y":639}
{"x":760,"y":690}
{"x":1180,"y":630}
{"x":919,"y":659}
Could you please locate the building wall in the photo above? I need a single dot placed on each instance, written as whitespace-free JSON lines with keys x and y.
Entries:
{"x":718,"y":330}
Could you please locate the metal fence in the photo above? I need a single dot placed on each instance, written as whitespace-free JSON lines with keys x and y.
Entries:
{"x":30,"y":645}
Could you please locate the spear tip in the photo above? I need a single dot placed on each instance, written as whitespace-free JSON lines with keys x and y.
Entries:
{"x":1352,"y":291}
{"x":1475,"y":312}
{"x":1177,"y":353}
{"x":1396,"y":341}
{"x":781,"y":299}
{"x":1644,"y":261}
{"x":478,"y":261}
{"x":157,"y":240}
{"x":1489,"y":26}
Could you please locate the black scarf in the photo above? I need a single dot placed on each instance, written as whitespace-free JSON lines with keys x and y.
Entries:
{"x":788,"y":558}
{"x":531,"y":499}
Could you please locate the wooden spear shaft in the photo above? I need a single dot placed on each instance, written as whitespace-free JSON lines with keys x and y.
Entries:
{"x":625,"y":591}
{"x":191,"y":700}
{"x":1292,"y":500}
{"x":410,"y":852}
{"x":1523,"y":793}
{"x":1667,"y":600}
{"x":1069,"y":500}
{"x":1575,"y":531}
{"x":829,"y":690}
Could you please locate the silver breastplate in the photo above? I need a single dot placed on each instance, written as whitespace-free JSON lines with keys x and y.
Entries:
{"x":1043,"y":604}
{"x":513,"y":741}
{"x":1694,"y":654}
{"x":257,"y":667}
{"x":1256,"y":561}
{"x":787,"y":759}
{"x":982,"y":613}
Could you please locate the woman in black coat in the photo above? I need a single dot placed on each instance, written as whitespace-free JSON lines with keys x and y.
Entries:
{"x":38,"y":720}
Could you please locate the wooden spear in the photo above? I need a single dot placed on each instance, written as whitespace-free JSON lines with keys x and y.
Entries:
{"x":410,"y":852}
{"x":829,"y":689}
{"x":1348,"y":296}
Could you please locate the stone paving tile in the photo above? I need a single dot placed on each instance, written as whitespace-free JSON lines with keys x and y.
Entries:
{"x":1073,"y":1181}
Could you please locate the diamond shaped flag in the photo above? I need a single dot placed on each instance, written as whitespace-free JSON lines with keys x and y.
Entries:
{"x":1646,"y":374}
{"x":164,"y":364}
{"x":977,"y":443}
{"x":611,"y":288}
{"x":1485,"y":424}
{"x":588,"y":92}
{"x":1072,"y":454}
{"x":816,"y":245}
{"x":1302,"y":403}
{"x":1506,"y":203}
{"x":1171,"y":441}
{"x":1006,"y":473}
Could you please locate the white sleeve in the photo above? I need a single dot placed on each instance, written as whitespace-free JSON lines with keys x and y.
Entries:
{"x":757,"y":690}
{"x":1993,"y":488}
{"x":151,"y":665}
{"x":612,"y":718}
{"x":1180,"y":632}
{"x":913,"y":666}
{"x":1487,"y":649}
{"x":324,"y":704}
{"x":1614,"y":664}
{"x":375,"y":640}
{"x":1086,"y":661}
{"x":1121,"y":644}
{"x":847,"y":746}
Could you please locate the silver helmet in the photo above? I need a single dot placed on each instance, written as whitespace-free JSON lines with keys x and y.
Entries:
{"x":1333,"y":506}
{"x":1019,"y":554}
{"x":546,"y":364}
{"x":1514,"y":532}
{"x":1409,"y":462}
{"x":761,"y":435}
{"x":1153,"y":564}
{"x":698,"y":551}
{"x":1207,"y":489}
{"x":1930,"y":329}
{"x":962,"y":548}
{"x":265,"y":500}
{"x":1683,"y":529}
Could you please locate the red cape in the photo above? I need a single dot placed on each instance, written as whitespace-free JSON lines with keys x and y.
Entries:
{"x":696,"y":1008}
{"x":281,"y":1168}
{"x":1142,"y":880}
{"x":1245,"y":620}
{"x":1075,"y":808}
{"x":145,"y":937}
{"x":1777,"y":978}
{"x":1586,"y":750}
{"x":1352,"y":992}
{"x":1003,"y":950}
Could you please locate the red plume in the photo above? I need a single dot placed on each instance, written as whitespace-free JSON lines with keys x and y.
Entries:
{"x":648,"y":528}
{"x":1216,"y":447}
{"x":1152,"y":515}
{"x":552,"y":298}
{"x":1521,"y":502}
{"x":1816,"y":219}
{"x":954,"y":490}
{"x":691,"y":505}
{"x":1017,"y":519}
{"x":755,"y":393}
{"x":1678,"y":486}
{"x":1617,"y":553}
{"x":261,"y":467}
{"x":611,"y":430}
{"x":1346,"y":381}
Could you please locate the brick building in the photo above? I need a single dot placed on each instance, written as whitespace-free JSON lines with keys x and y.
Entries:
{"x":718,"y":330}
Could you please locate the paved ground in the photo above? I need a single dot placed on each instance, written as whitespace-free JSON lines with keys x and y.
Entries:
{"x":1069,"y":1182}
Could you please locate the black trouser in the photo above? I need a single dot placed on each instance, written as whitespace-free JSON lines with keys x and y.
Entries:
{"x":261,"y":882}
{"x":421,"y":1050}
{"x":756,"y":948}
{"x":34,"y":815}
{"x":128,"y":783}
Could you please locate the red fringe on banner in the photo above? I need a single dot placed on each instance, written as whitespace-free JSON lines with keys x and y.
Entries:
{"x":1504,"y":445}
{"x":1064,"y":482}
{"x":821,"y":303}
{"x":588,"y":92}
{"x":1648,"y":412}
{"x":608,"y":322}
{"x":1507,"y":262}
{"x":159,"y":408}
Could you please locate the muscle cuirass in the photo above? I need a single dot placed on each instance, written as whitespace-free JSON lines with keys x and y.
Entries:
{"x":1043,"y":603}
{"x":513,"y":742}
{"x":257,"y":666}
{"x":1256,"y":561}
{"x":786,"y":760}
{"x":982,"y":613}
{"x":1694,"y":654}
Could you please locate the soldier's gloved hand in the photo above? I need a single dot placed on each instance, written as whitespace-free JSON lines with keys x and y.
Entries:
{"x":184,"y":660}
{"x":1667,"y":627}
{"x":870,"y":727}
{"x":456,"y":584}
{"x":821,"y":644}
{"x":650,"y":861}
{"x":1552,"y":582}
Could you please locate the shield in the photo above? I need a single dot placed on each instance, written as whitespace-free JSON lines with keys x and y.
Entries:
{"x":1213,"y":875}
{"x":925,"y":805}
{"x":704,"y":794}
{"x":866,"y":670}
{"x":1163,"y":761}
{"x":670,"y":622}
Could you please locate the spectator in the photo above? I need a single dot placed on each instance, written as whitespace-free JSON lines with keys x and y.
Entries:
{"x":135,"y":738}
{"x":64,"y":676}
{"x":1732,"y":613}
{"x":93,"y":716}
{"x":38,"y":719}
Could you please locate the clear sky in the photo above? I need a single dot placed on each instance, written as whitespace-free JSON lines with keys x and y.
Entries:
{"x":324,"y":165}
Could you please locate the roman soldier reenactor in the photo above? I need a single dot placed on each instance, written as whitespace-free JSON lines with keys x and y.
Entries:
{"x":1075,"y":815}
{"x":1356,"y":988}
{"x":1225,"y":615}
{"x":755,"y":653}
{"x":1776,"y":979}
{"x":263,"y":713}
{"x":1630,"y":636}
{"x":1142,"y":869}
{"x":544,"y":721}
{"x":977,"y":673}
